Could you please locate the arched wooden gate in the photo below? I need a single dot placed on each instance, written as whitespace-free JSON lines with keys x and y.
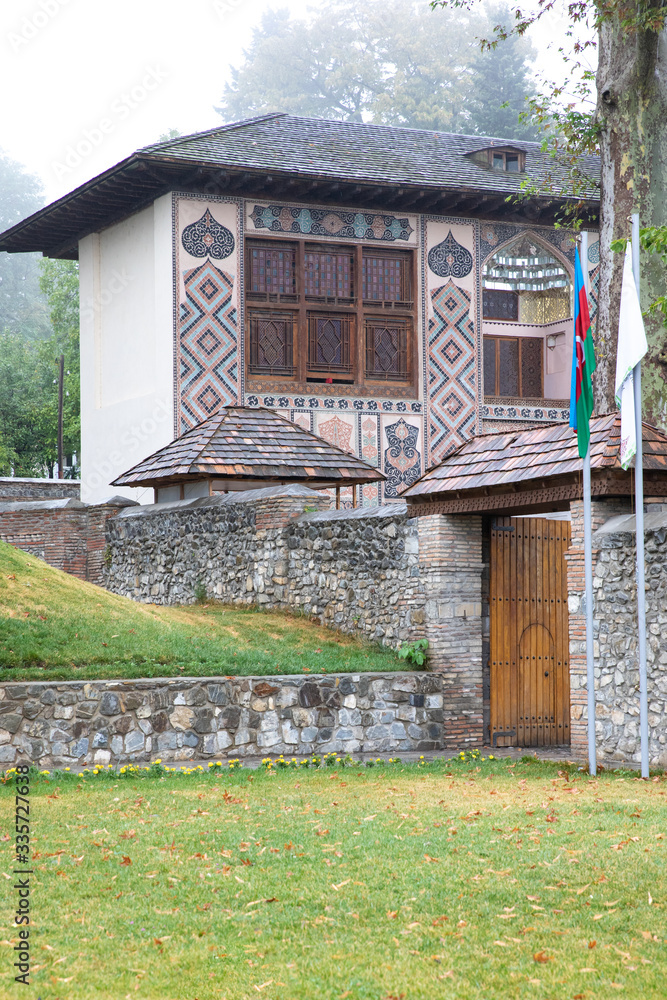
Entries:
{"x":530,"y":673}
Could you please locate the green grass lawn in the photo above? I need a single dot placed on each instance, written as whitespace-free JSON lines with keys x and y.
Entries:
{"x":56,"y":627}
{"x":463,"y":881}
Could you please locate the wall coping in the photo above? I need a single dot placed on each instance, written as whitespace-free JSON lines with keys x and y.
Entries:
{"x":38,"y":479}
{"x":222,"y":500}
{"x":624,"y":524}
{"x":386,"y":510}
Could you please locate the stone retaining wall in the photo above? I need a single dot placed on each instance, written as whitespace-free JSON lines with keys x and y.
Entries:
{"x":615,"y":632}
{"x":356,"y":570}
{"x":60,"y":724}
{"x":16,"y":488}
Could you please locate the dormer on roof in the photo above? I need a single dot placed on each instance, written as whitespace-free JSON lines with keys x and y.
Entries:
{"x":498,"y":157}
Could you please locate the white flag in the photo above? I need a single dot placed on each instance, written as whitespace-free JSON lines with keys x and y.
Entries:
{"x":632,"y":347}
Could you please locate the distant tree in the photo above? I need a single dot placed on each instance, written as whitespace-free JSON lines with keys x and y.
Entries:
{"x":23,"y":309}
{"x":29,"y":381}
{"x":502,"y":83}
{"x":393,"y":63}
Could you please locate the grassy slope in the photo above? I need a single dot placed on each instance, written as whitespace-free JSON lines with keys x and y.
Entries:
{"x":54,"y":626}
{"x":485,"y":883}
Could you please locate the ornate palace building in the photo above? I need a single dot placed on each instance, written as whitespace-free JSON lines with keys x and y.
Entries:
{"x":390,"y":290}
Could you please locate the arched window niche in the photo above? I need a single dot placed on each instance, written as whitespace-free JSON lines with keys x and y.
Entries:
{"x":527,"y":301}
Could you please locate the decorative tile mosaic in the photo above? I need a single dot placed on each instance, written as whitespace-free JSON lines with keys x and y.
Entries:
{"x":331,"y":403}
{"x":449,"y":259}
{"x":594,"y":253}
{"x":546,"y":414}
{"x":208,"y":376}
{"x":452,"y":375}
{"x":207,"y":238}
{"x":337,"y":223}
{"x":402,"y":459}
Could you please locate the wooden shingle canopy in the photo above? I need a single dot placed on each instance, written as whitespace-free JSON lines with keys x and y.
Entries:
{"x":536,"y":470}
{"x":240,"y":446}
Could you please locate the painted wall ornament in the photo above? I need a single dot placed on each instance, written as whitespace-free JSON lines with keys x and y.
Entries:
{"x":402,"y":461}
{"x":449,"y":259}
{"x":331,"y":222}
{"x":207,"y":238}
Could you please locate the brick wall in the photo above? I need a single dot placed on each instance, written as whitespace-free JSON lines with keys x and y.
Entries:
{"x":65,"y":533}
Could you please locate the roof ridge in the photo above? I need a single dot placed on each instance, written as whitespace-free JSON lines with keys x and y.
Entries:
{"x":225,"y":127}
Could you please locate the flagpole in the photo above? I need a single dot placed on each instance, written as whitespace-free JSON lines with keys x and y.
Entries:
{"x":639,"y":527}
{"x":588,"y":569}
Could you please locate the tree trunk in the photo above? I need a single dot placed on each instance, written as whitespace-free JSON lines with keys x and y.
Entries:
{"x":632,"y":109}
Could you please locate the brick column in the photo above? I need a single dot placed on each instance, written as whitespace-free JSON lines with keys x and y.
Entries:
{"x":450,"y":555}
{"x":601,"y":511}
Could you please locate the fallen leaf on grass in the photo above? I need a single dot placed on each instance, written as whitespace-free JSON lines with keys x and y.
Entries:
{"x":541,"y":956}
{"x":126,"y":860}
{"x":340,"y":884}
{"x":321,"y":833}
{"x":428,"y":857}
{"x":262,"y":985}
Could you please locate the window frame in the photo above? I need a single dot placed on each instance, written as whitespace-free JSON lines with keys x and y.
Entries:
{"x":520,"y":393}
{"x":356,"y":311}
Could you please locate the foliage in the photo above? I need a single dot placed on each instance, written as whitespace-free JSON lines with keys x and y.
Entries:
{"x":450,"y":880}
{"x":414,"y":652}
{"x":23,"y":309}
{"x":653,"y":239}
{"x":55,"y":626}
{"x":389,"y":63}
{"x":29,"y":375}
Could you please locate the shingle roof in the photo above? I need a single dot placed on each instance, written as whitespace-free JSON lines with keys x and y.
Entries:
{"x":346,"y":163}
{"x":361,"y":152}
{"x":253,"y":444}
{"x":500,"y":461}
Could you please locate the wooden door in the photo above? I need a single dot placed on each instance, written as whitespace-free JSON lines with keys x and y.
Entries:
{"x":530,"y":679}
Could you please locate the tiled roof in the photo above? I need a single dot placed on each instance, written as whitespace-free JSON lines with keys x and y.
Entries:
{"x":361,"y":152}
{"x":503,"y":460}
{"x":250,"y":443}
{"x":287,"y":157}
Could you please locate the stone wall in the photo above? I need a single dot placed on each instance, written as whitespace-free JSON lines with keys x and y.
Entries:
{"x":60,"y":724}
{"x":356,"y":570}
{"x":63,"y":532}
{"x":16,"y":488}
{"x":615,"y":633}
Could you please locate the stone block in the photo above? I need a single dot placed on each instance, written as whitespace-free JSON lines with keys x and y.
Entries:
{"x":182,"y":717}
{"x":134,"y":741}
{"x":102,"y":757}
{"x":7,"y":754}
{"x":145,"y":726}
{"x":122,"y":725}
{"x":31,"y":709}
{"x":268,"y":739}
{"x":5,"y":736}
{"x":116,"y":745}
{"x":309,"y":734}
{"x":217,"y":694}
{"x":309,"y":695}
{"x":160,"y":721}
{"x":407,"y":713}
{"x":433,"y":701}
{"x":144,"y":712}
{"x":222,"y":740}
{"x":166,"y":741}
{"x":100,"y":740}
{"x":287,"y":697}
{"x":49,"y":697}
{"x":11,"y":722}
{"x":110,"y":704}
{"x":86,"y":709}
{"x":303,"y":716}
{"x":242,"y":737}
{"x":259,"y":705}
{"x":80,"y":748}
{"x":350,"y":701}
{"x":190,"y":738}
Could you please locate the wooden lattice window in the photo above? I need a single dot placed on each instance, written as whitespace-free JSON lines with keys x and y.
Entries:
{"x":328,"y":274}
{"x":271,"y":343}
{"x":500,"y":304}
{"x":513,"y":367}
{"x":386,"y":349}
{"x":329,"y":343}
{"x":385,"y":277}
{"x":272,"y":271}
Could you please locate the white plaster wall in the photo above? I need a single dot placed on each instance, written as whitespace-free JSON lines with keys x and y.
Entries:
{"x":126,"y":324}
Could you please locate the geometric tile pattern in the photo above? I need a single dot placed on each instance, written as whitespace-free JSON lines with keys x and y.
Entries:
{"x":451,"y":371}
{"x":208,"y":345}
{"x":593,"y":290}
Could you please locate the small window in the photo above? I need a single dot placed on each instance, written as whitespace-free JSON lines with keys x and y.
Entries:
{"x":272,"y":273}
{"x":513,"y":367}
{"x":329,"y":344}
{"x":505,"y":158}
{"x":386,"y":349}
{"x":385,"y":278}
{"x":271,"y":343}
{"x":500,"y":304}
{"x":328,"y":275}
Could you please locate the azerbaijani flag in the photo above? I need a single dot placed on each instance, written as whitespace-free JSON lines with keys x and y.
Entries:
{"x":583,"y":363}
